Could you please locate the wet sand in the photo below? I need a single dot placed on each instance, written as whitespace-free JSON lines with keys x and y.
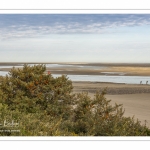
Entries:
{"x":137,"y":105}
{"x":131,"y":69}
{"x":112,"y":88}
{"x":127,"y":69}
{"x":135,"y":98}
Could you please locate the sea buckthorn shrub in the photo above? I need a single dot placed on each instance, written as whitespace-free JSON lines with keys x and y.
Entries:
{"x":33,"y":103}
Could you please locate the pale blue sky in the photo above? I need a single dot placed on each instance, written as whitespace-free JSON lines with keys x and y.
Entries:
{"x":75,"y":38}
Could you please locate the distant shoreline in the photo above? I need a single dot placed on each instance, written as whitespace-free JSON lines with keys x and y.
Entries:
{"x":134,"y":97}
{"x":85,"y":63}
{"x":128,"y":69}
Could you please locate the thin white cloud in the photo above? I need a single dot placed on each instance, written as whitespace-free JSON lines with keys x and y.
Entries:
{"x":66,"y":24}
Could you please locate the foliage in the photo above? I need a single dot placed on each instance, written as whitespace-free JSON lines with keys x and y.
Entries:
{"x":46,"y":106}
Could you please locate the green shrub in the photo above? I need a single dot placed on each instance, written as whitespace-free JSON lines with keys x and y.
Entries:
{"x":30,"y":90}
{"x":46,"y":106}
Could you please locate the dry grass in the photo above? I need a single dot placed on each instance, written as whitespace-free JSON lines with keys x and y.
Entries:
{"x":131,"y":70}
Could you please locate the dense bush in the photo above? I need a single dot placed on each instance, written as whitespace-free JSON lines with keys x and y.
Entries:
{"x":44,"y":105}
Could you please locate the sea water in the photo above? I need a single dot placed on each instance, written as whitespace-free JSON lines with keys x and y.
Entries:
{"x":103,"y":78}
{"x":107,"y":77}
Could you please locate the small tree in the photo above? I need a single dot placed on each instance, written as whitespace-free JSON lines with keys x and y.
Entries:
{"x":29,"y":89}
{"x":97,"y":117}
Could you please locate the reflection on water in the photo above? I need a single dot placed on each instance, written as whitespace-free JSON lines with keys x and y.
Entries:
{"x":10,"y":66}
{"x":59,"y":66}
{"x":116,"y":73}
{"x":74,"y":66}
{"x":103,"y":78}
{"x":93,"y":78}
{"x":3,"y":73}
{"x":113,"y":79}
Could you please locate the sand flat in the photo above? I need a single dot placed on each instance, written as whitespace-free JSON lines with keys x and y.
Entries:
{"x":135,"y":98}
{"x":137,"y":105}
{"x":126,"y":68}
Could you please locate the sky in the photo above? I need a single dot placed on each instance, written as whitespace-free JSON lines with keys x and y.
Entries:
{"x":116,"y":38}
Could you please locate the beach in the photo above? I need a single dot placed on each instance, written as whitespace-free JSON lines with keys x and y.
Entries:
{"x":134,"y":97}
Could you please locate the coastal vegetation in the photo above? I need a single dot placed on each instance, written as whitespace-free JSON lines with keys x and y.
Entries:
{"x":33,"y":103}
